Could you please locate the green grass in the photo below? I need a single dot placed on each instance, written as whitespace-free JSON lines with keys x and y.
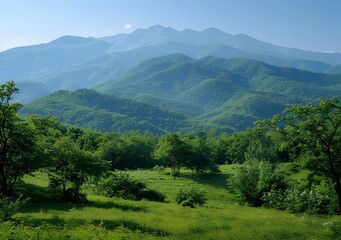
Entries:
{"x":220,"y":218}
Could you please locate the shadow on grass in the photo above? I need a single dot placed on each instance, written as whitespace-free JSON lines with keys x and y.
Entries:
{"x":34,"y":192}
{"x":214,"y":180}
{"x":41,"y":199}
{"x":123,"y":207}
{"x":112,"y":224}
{"x":45,"y":206}
{"x":107,"y":224}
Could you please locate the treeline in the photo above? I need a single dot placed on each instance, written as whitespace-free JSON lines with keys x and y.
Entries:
{"x":308,"y":135}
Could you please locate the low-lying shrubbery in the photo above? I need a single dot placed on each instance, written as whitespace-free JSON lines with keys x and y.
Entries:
{"x":189,"y":197}
{"x":119,"y":184}
{"x":298,"y":201}
{"x":9,"y":206}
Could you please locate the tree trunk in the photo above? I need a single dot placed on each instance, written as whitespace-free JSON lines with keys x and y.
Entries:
{"x":3,"y":184}
{"x":338,"y":192}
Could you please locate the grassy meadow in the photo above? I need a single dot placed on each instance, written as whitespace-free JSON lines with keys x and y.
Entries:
{"x":113,"y":218}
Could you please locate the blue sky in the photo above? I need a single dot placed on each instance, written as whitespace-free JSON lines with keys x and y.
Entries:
{"x":307,"y":24}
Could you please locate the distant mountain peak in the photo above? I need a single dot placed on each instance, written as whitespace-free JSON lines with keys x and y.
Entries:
{"x":71,"y":40}
{"x":215,"y":31}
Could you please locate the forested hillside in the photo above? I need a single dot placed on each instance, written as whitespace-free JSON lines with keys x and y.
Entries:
{"x":90,"y":109}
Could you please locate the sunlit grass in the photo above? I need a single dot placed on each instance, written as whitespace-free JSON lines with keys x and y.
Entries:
{"x":220,"y":218}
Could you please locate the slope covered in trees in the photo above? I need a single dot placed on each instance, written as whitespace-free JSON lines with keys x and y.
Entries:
{"x":231,"y":92}
{"x":91,"y":109}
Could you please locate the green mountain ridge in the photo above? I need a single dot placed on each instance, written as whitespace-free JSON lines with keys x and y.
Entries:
{"x":72,"y":62}
{"x":90,"y":109}
{"x":231,"y":92}
{"x":198,"y":94}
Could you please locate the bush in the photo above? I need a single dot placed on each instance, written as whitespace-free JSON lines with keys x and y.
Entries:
{"x":310,"y":201}
{"x":298,"y":201}
{"x":8,"y":207}
{"x":119,"y":184}
{"x":274,"y":199}
{"x":190,"y":197}
{"x":255,"y":178}
{"x":152,"y":195}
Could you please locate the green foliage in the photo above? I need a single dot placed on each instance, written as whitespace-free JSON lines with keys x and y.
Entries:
{"x":299,"y":201}
{"x":128,"y":151}
{"x":315,"y":132}
{"x":190,"y":151}
{"x":220,"y":218}
{"x":172,"y":151}
{"x":119,"y":184}
{"x":71,"y":167}
{"x":200,"y":159}
{"x":90,"y":109}
{"x":9,"y":207}
{"x":189,"y":197}
{"x":17,"y":142}
{"x":254,"y":178}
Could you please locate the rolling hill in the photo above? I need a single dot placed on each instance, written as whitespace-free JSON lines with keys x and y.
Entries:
{"x":90,"y":109}
{"x":208,"y":77}
{"x":232,"y":92}
{"x":179,"y":93}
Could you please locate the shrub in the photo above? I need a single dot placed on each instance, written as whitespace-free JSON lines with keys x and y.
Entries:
{"x":274,"y":199}
{"x":190,"y":197}
{"x":8,"y":207}
{"x":151,"y":195}
{"x":310,"y":201}
{"x":255,"y":178}
{"x":119,"y":184}
{"x":298,"y":201}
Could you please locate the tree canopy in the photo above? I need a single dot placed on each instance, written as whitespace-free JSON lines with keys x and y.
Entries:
{"x":314,"y":132}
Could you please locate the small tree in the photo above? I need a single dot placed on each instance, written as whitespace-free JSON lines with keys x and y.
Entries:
{"x":9,"y":207}
{"x":200,"y":159}
{"x":71,"y":167}
{"x":173,"y":151}
{"x":316,"y":132}
{"x":17,"y":142}
{"x":254,"y":178}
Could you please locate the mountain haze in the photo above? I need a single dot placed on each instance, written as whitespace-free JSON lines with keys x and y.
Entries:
{"x":208,"y":92}
{"x":190,"y":78}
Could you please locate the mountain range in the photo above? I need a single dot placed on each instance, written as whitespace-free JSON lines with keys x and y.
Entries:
{"x":212,"y":91}
{"x":209,"y":78}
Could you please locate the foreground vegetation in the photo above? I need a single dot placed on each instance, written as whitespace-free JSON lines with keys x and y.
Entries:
{"x":66,"y":179}
{"x":221,"y":217}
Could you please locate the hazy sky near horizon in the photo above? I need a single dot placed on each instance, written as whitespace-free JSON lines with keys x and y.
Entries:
{"x":306,"y":24}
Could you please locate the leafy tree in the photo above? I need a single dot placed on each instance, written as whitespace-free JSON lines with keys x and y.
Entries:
{"x":136,"y":151}
{"x":200,"y":158}
{"x":218,"y":146}
{"x":17,"y":142}
{"x":173,"y":151}
{"x":89,"y":140}
{"x":315,"y":130}
{"x":255,"y":143}
{"x":255,"y":178}
{"x":71,"y":167}
{"x":238,"y":144}
{"x":9,"y":207}
{"x":131,"y":150}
